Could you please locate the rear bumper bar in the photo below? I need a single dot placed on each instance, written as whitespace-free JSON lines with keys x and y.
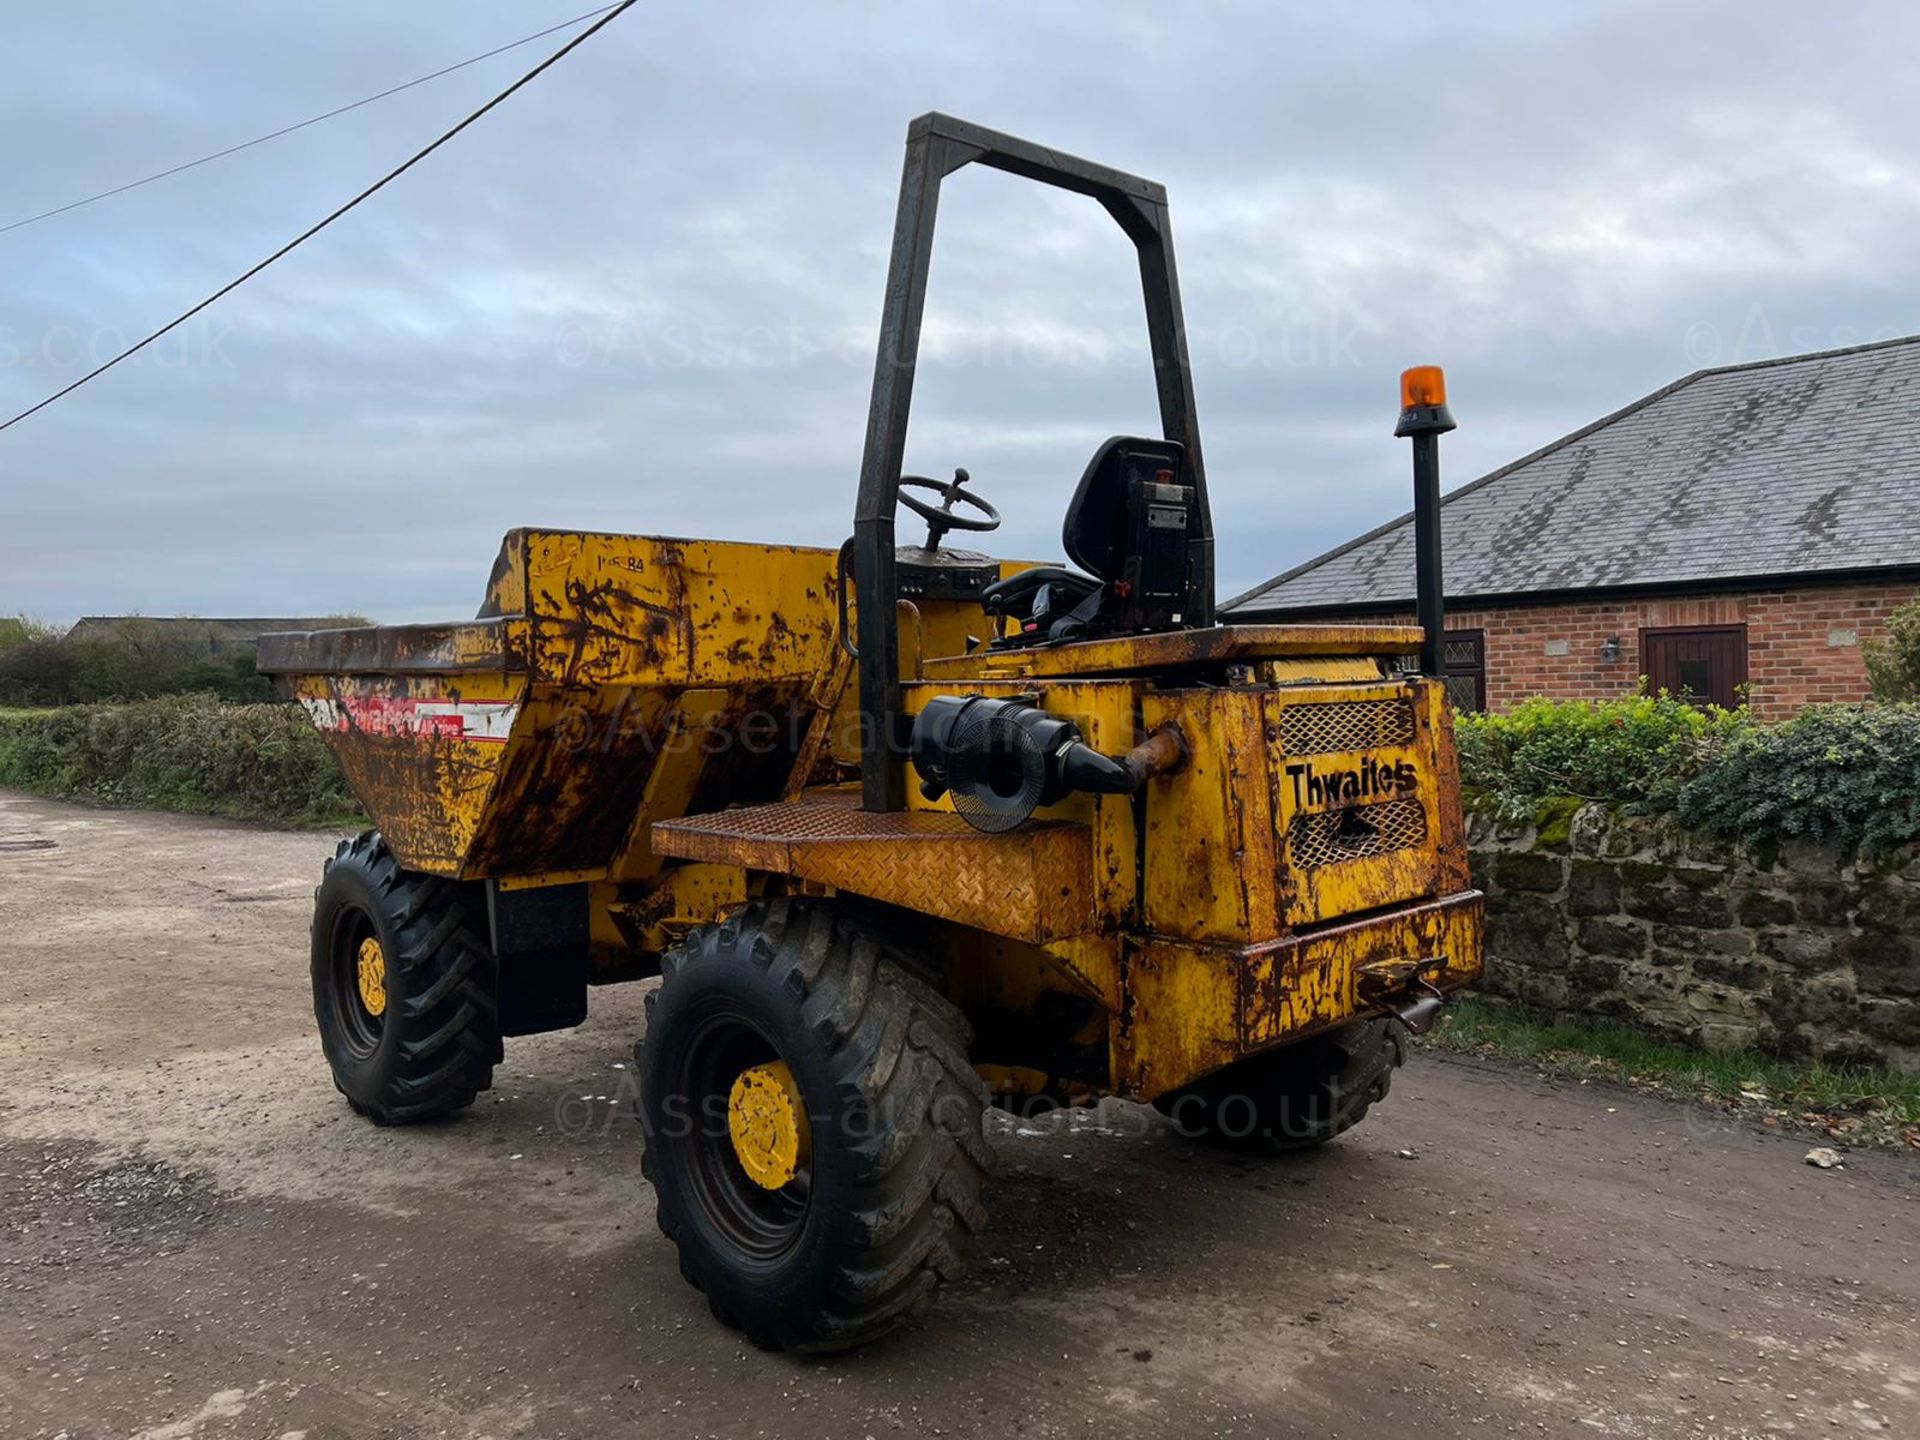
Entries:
{"x":1198,"y":1008}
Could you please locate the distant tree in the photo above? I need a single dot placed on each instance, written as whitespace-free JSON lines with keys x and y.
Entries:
{"x":35,"y":668}
{"x":136,"y":660}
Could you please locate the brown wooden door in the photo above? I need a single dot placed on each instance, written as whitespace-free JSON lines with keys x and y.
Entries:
{"x":1706,"y":664}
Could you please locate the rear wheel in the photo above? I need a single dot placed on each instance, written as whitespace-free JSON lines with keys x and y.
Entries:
{"x":813,"y":1126}
{"x":403,"y":986}
{"x":1296,"y":1098}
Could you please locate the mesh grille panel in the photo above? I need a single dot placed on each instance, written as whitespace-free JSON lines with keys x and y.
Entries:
{"x":1343,"y":725}
{"x":1355,"y":833}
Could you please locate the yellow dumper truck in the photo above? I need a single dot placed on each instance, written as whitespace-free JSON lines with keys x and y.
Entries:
{"x":904,"y":830}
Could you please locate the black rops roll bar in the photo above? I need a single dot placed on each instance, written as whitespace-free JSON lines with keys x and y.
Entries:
{"x":938,"y":145}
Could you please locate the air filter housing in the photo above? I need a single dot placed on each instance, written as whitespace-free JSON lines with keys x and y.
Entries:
{"x":1003,"y":759}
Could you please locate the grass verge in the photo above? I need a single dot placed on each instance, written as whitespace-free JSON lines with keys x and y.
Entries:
{"x":1851,"y":1105}
{"x":186,"y":753}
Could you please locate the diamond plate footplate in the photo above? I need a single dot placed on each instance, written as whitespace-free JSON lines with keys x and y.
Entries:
{"x":1034,"y":883}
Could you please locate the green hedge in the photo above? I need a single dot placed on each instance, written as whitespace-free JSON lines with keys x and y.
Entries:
{"x":1842,"y":774}
{"x":137,"y":659}
{"x":188,"y":753}
{"x":1639,"y":752}
{"x":1848,"y":775}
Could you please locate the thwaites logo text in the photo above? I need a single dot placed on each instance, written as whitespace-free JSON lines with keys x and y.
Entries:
{"x":1315,"y":786}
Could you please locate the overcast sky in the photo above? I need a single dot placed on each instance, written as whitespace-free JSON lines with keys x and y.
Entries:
{"x":643,"y":294}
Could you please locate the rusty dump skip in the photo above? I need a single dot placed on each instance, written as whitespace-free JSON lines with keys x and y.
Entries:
{"x":529,"y":741}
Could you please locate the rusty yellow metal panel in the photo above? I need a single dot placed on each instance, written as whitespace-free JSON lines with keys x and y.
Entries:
{"x":422,"y":752}
{"x":685,"y":727}
{"x":1035,"y":883}
{"x":1300,"y":804}
{"x":1014,"y":976}
{"x":546,"y":783}
{"x":1183,"y":1021}
{"x":1289,"y":990}
{"x":576,"y":765}
{"x":1450,"y":834}
{"x":1154,"y":653}
{"x":643,"y":610}
{"x":1323,"y":670}
{"x":1197,"y":1008}
{"x":507,"y":583}
{"x":1355,"y":789}
{"x":1106,"y":712}
{"x":1210,"y":867}
{"x":578,"y":692}
{"x":943,"y":628}
{"x":640,"y":921}
{"x":834,"y":698}
{"x":494,"y":646}
{"x":1095,"y":962}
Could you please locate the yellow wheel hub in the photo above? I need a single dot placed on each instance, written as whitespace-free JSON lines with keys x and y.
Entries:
{"x":768,"y":1123}
{"x":372,"y":976}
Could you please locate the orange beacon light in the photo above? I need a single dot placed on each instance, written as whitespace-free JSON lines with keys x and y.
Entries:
{"x":1424,"y":418}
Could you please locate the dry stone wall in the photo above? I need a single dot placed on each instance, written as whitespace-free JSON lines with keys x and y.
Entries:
{"x":1786,"y":948}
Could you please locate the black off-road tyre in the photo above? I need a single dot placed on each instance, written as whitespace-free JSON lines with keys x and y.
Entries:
{"x":434,"y":1043}
{"x":1296,"y":1098}
{"x":892,"y":1191}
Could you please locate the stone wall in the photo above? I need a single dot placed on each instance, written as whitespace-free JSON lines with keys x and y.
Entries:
{"x":1785,"y":948}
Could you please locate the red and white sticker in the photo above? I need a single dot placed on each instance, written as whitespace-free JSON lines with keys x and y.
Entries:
{"x":486,"y":720}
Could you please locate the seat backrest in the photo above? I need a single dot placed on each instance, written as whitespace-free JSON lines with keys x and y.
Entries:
{"x":1095,"y":529}
{"x":1131,"y":525}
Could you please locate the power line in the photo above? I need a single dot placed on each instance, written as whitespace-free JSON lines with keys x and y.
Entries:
{"x":303,"y":124}
{"x":585,"y":35}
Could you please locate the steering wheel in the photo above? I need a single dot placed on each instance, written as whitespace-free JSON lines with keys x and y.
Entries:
{"x":942,"y":517}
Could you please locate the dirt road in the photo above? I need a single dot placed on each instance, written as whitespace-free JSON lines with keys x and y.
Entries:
{"x":201,"y":1241}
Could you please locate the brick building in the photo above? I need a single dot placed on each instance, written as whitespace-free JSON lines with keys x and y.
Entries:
{"x":1741,"y":531}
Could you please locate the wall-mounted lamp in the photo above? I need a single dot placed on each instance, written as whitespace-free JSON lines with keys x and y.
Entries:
{"x":1610,"y":650}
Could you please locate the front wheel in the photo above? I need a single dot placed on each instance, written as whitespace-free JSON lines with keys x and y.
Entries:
{"x":1296,"y":1098}
{"x":814,"y":1130}
{"x":403,"y":986}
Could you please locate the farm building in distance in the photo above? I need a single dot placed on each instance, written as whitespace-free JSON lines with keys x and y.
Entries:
{"x":1739,"y":532}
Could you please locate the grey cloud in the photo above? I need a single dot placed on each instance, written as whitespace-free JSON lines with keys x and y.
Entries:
{"x":642,"y":295}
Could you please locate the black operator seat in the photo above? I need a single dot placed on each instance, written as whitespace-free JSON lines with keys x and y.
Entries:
{"x":1127,"y":529}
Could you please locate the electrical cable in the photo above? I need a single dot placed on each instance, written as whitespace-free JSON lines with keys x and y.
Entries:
{"x":311,"y":231}
{"x":301,"y":125}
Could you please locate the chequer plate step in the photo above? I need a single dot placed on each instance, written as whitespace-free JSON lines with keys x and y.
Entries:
{"x":1033,"y":883}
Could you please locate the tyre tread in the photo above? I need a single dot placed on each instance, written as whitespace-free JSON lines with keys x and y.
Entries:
{"x":441,"y":988}
{"x":896,"y":1049}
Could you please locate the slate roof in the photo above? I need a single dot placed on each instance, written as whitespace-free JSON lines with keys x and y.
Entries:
{"x":1793,"y":467}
